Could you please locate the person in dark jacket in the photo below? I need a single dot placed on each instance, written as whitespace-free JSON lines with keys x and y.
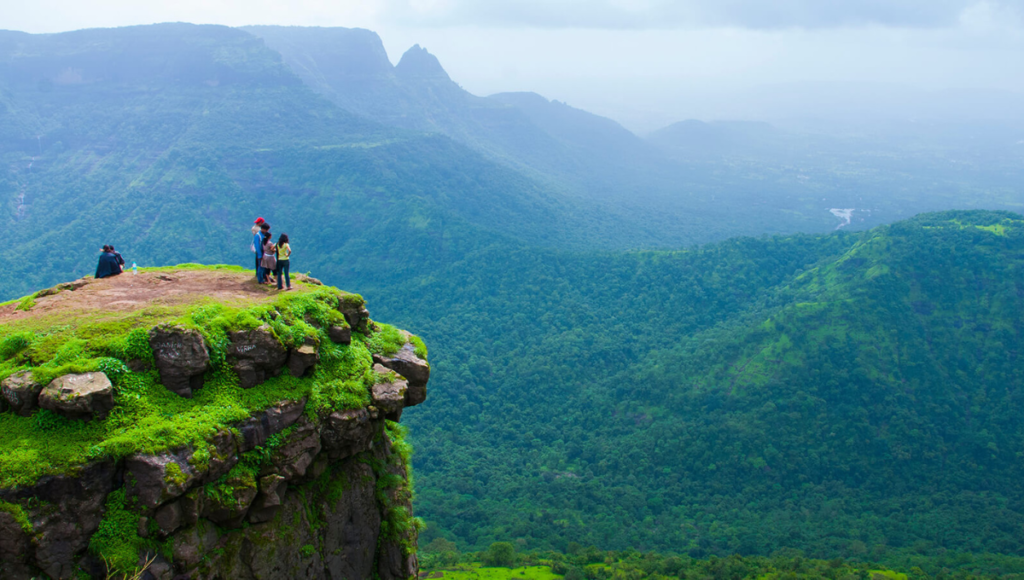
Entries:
{"x":263,"y":237}
{"x":107,"y":265}
{"x":120,"y":260}
{"x":257,"y":247}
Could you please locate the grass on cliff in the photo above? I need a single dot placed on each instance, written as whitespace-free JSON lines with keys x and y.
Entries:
{"x":147,"y":417}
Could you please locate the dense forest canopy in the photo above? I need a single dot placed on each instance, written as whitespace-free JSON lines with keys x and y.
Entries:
{"x":832,"y":393}
{"x":597,"y":378}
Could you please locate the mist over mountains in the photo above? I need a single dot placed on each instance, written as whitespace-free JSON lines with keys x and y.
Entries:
{"x":656,"y":341}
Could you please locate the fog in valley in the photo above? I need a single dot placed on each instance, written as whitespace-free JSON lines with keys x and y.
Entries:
{"x":690,"y":280}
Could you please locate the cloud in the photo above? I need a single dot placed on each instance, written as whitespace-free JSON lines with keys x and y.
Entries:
{"x":653,"y":14}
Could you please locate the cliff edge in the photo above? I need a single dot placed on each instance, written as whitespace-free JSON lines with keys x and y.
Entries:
{"x":188,"y":423}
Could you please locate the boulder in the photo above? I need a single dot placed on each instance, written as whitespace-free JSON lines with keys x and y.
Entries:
{"x":85,"y":396}
{"x":15,"y":543}
{"x":346,"y":433}
{"x":296,"y":454}
{"x":406,"y":363}
{"x":66,"y":511}
{"x":302,"y":359}
{"x":270,"y":498}
{"x":256,"y":355}
{"x":21,"y":392}
{"x":191,"y":507}
{"x":157,"y":479}
{"x":339,"y":334}
{"x":254,"y":431}
{"x":356,"y":315}
{"x":168,"y":518}
{"x":389,"y":397}
{"x":193,"y":545}
{"x":181,"y":358}
{"x":228,"y":506}
{"x":223,"y":455}
{"x":412,"y":368}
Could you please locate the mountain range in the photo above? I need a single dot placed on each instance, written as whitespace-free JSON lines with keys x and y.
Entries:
{"x":598,"y":377}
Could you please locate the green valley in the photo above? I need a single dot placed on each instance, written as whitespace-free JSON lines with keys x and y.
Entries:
{"x":650,"y":358}
{"x":744,"y":397}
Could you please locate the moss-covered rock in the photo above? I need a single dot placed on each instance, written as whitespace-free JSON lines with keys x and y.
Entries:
{"x":79,"y":396}
{"x":237,"y":433}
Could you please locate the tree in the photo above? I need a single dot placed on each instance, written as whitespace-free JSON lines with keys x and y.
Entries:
{"x":500,"y":554}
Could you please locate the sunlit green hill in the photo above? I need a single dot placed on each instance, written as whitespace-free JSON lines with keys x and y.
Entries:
{"x":837,"y":394}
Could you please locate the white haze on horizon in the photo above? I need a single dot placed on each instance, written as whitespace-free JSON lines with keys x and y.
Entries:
{"x":647,"y":63}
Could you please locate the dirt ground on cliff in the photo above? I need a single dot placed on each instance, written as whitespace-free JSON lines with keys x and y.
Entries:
{"x":128,"y":292}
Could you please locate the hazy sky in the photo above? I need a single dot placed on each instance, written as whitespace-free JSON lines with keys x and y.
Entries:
{"x":650,"y":62}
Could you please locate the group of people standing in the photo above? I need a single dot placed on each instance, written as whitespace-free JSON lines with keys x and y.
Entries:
{"x":273,"y":260}
{"x":110,"y":264}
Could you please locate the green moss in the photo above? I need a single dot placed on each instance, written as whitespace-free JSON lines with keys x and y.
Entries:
{"x":352,"y":300}
{"x":386,"y":341}
{"x":393,"y":491}
{"x":18,"y":514}
{"x":117,"y":539}
{"x":174,"y":475}
{"x":26,"y":303}
{"x":420,"y":347}
{"x":15,"y":343}
{"x":148,"y":418}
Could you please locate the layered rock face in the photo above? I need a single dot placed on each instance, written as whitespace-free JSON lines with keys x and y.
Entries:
{"x":312,"y":484}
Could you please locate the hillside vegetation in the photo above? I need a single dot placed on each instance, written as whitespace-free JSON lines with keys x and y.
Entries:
{"x":838,"y":394}
{"x":850,"y":394}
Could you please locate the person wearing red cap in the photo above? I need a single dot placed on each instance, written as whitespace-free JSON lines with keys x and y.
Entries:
{"x":257,"y":247}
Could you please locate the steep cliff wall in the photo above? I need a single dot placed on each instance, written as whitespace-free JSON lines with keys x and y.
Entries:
{"x":191,"y":424}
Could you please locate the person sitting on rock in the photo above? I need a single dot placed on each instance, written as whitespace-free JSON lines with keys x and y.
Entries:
{"x":107,"y":265}
{"x":120,"y":260}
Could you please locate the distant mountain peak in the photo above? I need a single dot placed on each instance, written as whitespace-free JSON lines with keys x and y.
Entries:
{"x":417,"y":63}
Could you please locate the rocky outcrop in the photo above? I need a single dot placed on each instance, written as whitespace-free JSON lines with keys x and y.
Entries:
{"x":412,"y":368}
{"x":302,"y":359}
{"x":320,"y":478}
{"x":354,"y":310}
{"x":256,"y":355}
{"x":288,"y":487}
{"x":62,"y":514}
{"x":339,"y":334}
{"x":181,"y":358}
{"x":389,"y":395}
{"x":346,"y":433}
{"x":21,"y":392}
{"x":85,"y":396}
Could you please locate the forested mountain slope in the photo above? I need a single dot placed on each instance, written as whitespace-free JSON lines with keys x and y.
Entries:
{"x":835,"y":394}
{"x":168,"y":140}
{"x":829,"y":393}
{"x":692,"y":182}
{"x":569,"y":149}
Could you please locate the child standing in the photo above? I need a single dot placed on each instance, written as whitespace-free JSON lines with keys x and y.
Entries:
{"x":284,"y":254}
